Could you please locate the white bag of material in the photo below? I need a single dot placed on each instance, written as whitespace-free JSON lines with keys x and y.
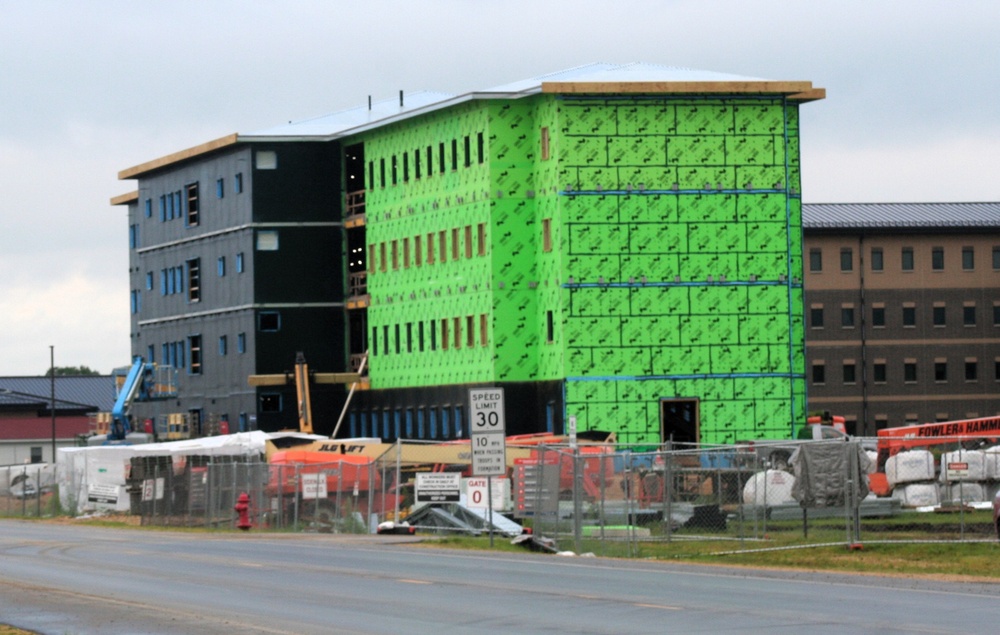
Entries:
{"x":991,"y":456}
{"x":917,"y":495}
{"x":975,"y":460}
{"x":872,"y":461}
{"x":910,"y":467}
{"x":772,"y":487}
{"x":963,"y":493}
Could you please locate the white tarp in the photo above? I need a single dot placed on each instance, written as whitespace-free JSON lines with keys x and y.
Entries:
{"x":93,"y":478}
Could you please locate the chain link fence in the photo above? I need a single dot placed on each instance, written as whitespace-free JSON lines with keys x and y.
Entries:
{"x":601,"y":498}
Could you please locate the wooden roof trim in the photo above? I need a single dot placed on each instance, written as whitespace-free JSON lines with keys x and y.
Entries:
{"x":155,"y":164}
{"x":814,"y":94}
{"x":631,"y":88}
{"x":126,"y":198}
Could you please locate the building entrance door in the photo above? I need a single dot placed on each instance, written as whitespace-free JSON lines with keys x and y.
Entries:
{"x":679,"y":420}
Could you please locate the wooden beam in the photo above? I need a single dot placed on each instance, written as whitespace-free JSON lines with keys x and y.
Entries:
{"x":809,"y":95}
{"x":268,"y":380}
{"x":696,"y":88}
{"x":335,"y":378}
{"x":155,"y":164}
{"x":318,"y":378}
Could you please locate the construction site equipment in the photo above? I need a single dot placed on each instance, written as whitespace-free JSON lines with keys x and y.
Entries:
{"x":302,"y":378}
{"x":142,"y":381}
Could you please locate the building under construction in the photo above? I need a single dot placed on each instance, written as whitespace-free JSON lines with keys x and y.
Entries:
{"x":622,"y":244}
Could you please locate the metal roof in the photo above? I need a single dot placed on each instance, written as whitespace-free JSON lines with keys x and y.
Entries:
{"x":900,"y":215}
{"x":72,"y":392}
{"x":381,"y":113}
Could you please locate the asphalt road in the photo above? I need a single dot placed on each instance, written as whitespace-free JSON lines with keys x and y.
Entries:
{"x":74,"y":580}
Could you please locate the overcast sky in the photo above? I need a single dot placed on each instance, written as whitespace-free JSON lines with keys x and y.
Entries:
{"x":88,"y":88}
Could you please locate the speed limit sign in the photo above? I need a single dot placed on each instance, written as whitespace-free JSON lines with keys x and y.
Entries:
{"x":487,"y":432}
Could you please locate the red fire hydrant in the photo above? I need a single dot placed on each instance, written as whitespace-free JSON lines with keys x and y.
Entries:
{"x":243,"y":509}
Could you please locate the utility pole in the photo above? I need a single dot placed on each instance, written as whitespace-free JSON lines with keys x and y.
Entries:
{"x":52,"y":405}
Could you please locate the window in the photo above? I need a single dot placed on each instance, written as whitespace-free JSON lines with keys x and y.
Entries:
{"x":239,"y":262}
{"x":220,"y":266}
{"x":133,"y":236}
{"x":135,"y":301}
{"x":220,"y":188}
{"x":847,"y":259}
{"x":468,"y":151}
{"x":409,"y":337}
{"x":194,"y":350}
{"x":910,"y":372}
{"x":430,"y":160}
{"x":996,"y":315}
{"x":238,"y":183}
{"x":878,"y":372}
{"x":850,"y":372}
{"x":374,"y":341}
{"x":458,"y":332}
{"x":406,"y":253}
{"x":269,"y":321}
{"x":194,"y":279}
{"x":454,"y":243}
{"x":816,"y":317}
{"x":443,"y":244}
{"x":481,"y":147}
{"x":151,"y":354}
{"x":969,"y":315}
{"x":149,"y":208}
{"x":938,"y":315}
{"x":483,"y":329}
{"x":470,"y":331}
{"x":382,"y":259}
{"x":267,"y":240}
{"x":398,"y":340}
{"x":996,"y":369}
{"x":878,"y":316}
{"x":241,"y":343}
{"x":192,"y":204}
{"x":847,"y":317}
{"x":444,"y":334}
{"x":909,"y":316}
{"x":818,"y":373}
{"x":430,"y":248}
{"x":546,"y":235}
{"x":267,"y":160}
{"x":433,"y":330}
{"x":937,"y":258}
{"x":546,"y":153}
{"x":907,"y":258}
{"x":481,"y":239}
{"x":549,"y":327}
{"x":223,"y":345}
{"x":416,"y":163}
{"x":381,"y":172}
{"x":454,"y":154}
{"x":163,"y":216}
{"x":395,"y":255}
{"x":149,"y":280}
{"x":940,"y":371}
{"x":815,"y":260}
{"x":36,"y":454}
{"x":878,"y":261}
{"x":971,"y":370}
{"x":468,"y":241}
{"x":395,"y":169}
{"x":968,"y":258}
{"x":996,"y":258}
{"x":270,"y":402}
{"x":420,"y":336}
{"x":441,"y":158}
{"x":417,"y":251}
{"x":406,"y":167}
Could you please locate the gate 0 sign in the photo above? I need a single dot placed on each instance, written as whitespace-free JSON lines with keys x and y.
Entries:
{"x":487,"y":432}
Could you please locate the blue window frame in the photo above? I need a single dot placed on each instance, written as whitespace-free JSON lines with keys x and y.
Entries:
{"x":385,"y":424}
{"x":149,"y":280}
{"x":241,"y":343}
{"x":165,"y":349}
{"x":163,"y":209}
{"x":133,"y":236}
{"x":163,"y":282}
{"x":458,"y":421}
{"x":221,"y":266}
{"x":374,"y":421}
{"x":135,"y":301}
{"x":220,"y":188}
{"x":223,"y":345}
{"x":420,"y":423}
{"x":178,"y":279}
{"x":352,"y":422}
{"x":149,"y":208}
{"x":244,"y":425}
{"x":396,"y":418}
{"x":238,"y":183}
{"x":151,"y":354}
{"x":432,"y":415}
{"x":239,"y":262}
{"x":269,"y":321}
{"x":445,"y":427}
{"x":550,"y":417}
{"x":409,"y":423}
{"x":177,"y":205}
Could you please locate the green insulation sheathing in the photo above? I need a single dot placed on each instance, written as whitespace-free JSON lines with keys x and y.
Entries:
{"x":637,"y":249}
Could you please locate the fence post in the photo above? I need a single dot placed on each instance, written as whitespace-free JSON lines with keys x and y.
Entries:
{"x":577,"y":498}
